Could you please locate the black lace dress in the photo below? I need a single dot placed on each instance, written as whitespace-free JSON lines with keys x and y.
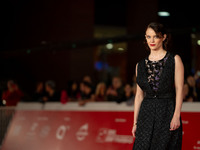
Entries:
{"x":156,"y":79}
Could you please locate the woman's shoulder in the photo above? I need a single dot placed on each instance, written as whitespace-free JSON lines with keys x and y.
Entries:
{"x":175,"y":56}
{"x":140,"y":64}
{"x":141,"y":61}
{"x":175,"y":59}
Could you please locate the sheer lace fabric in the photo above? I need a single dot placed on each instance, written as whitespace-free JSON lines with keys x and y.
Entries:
{"x":154,"y":71}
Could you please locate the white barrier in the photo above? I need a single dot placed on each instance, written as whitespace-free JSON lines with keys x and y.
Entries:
{"x":94,"y":106}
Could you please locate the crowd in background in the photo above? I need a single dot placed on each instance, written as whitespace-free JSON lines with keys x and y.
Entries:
{"x":82,"y":92}
{"x":191,"y":89}
{"x":86,"y":91}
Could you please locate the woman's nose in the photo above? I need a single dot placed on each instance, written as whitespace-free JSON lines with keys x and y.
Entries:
{"x":152,"y":40}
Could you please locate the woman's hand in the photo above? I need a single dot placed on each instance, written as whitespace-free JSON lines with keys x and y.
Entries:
{"x":175,"y":123}
{"x":82,"y":102}
{"x":134,"y":130}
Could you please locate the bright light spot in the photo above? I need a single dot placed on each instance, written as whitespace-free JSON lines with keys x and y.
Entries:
{"x":121,"y":49}
{"x":109,"y":46}
{"x":198,"y":42}
{"x":4,"y":102}
{"x":163,"y":14}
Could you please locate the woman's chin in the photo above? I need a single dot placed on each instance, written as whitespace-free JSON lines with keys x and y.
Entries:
{"x":153,"y":48}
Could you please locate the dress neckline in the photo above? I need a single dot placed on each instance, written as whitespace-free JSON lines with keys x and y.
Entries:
{"x":157,"y":60}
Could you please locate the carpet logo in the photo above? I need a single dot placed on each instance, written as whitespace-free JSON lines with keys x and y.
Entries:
{"x":110,"y":135}
{"x":82,"y":132}
{"x":60,"y":133}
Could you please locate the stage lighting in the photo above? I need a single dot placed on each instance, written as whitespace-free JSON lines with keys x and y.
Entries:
{"x":109,"y":46}
{"x":4,"y":102}
{"x":198,"y":42}
{"x":120,"y":49}
{"x":163,"y":14}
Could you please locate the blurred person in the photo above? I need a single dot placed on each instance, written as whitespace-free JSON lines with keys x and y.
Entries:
{"x":88,"y":94}
{"x":134,"y":84}
{"x":52,"y":95}
{"x":129,"y":95}
{"x":185,"y":91}
{"x":81,"y":88}
{"x":186,"y":97}
{"x":197,"y":75}
{"x":39,"y":92}
{"x":12,"y":95}
{"x":197,"y":80}
{"x":116,"y":91}
{"x":192,"y":95}
{"x":72,"y":93}
{"x":3,"y":87}
{"x":64,"y":97}
{"x":157,"y":107}
{"x":100,"y":94}
{"x":87,"y":78}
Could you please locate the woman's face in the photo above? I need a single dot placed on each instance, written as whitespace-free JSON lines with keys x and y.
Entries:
{"x":82,"y":87}
{"x":154,"y":41}
{"x":191,"y":81}
{"x":102,"y":87}
{"x":127,"y":88}
{"x":74,"y":86}
{"x":40,"y":86}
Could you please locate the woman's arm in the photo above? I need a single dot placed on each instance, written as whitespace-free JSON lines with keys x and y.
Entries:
{"x":138,"y":100}
{"x":179,"y":83}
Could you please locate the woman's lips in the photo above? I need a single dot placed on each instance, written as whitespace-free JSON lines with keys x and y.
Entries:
{"x":152,"y":44}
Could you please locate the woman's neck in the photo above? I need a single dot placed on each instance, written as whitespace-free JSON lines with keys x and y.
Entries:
{"x":157,"y":54}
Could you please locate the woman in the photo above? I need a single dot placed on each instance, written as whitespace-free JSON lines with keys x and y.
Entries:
{"x":157,"y":121}
{"x":100,"y":93}
{"x":12,"y":95}
{"x":128,"y":94}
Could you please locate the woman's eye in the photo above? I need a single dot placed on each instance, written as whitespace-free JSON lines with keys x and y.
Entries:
{"x":148,"y":37}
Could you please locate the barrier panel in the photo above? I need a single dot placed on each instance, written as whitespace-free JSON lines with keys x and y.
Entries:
{"x":85,"y":128}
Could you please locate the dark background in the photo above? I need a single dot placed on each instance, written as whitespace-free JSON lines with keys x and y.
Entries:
{"x":49,"y":39}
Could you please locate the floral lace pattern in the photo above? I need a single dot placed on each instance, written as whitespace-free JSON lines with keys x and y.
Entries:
{"x":154,"y":70}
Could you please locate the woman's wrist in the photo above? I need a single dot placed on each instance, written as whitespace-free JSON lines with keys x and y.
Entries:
{"x":177,"y":114}
{"x":134,"y":124}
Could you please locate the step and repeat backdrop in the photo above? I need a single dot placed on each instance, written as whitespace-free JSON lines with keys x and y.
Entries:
{"x":99,"y":126}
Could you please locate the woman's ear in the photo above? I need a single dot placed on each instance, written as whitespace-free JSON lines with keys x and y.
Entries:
{"x":164,"y":37}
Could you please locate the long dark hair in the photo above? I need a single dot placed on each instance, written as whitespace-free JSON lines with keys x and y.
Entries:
{"x":160,"y":30}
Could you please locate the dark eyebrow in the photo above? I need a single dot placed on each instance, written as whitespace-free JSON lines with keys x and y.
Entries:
{"x":153,"y":35}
